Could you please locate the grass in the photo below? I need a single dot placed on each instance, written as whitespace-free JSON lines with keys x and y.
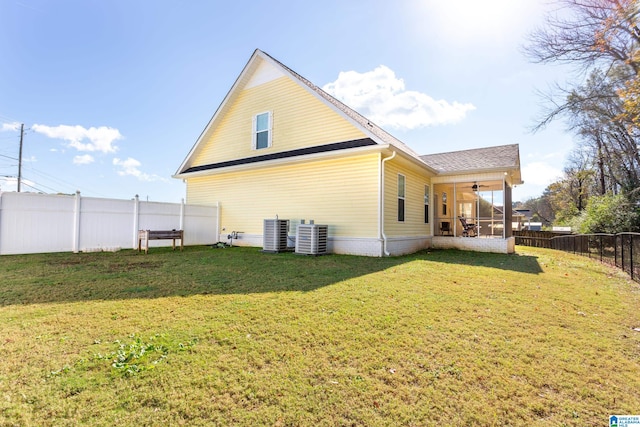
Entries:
{"x":238,"y":337}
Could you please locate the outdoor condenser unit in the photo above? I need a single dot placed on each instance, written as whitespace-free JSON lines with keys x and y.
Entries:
{"x":311,"y":239}
{"x":275,"y":234}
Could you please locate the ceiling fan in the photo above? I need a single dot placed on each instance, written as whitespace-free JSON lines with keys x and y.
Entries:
{"x":476,"y":186}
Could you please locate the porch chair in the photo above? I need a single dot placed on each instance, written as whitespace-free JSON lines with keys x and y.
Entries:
{"x":445,"y":227}
{"x":467,"y":228}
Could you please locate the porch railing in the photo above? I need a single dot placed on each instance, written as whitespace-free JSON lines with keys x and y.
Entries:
{"x":486,"y":226}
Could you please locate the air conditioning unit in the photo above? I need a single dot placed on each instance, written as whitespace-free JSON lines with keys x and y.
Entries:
{"x":311,"y":239}
{"x":275,"y":234}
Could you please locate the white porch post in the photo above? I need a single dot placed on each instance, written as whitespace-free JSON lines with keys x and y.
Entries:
{"x":455,"y":210}
{"x":76,"y":223}
{"x":504,"y":210}
{"x":181,"y":214}
{"x":136,"y":220}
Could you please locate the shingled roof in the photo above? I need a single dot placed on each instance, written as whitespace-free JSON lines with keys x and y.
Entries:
{"x":474,"y":160}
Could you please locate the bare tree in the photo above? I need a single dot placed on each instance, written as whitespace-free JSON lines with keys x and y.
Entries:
{"x":589,"y":33}
{"x":601,"y":39}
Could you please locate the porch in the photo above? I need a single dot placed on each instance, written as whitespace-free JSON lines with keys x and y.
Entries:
{"x":473,"y":215}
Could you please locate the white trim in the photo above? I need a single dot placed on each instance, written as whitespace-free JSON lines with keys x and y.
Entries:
{"x":463,"y":176}
{"x":327,"y":155}
{"x":404,"y":198}
{"x":381,"y":205}
{"x":254,"y":130}
{"x":264,"y":73}
{"x":246,"y":71}
{"x":427,"y":202}
{"x":505,"y":220}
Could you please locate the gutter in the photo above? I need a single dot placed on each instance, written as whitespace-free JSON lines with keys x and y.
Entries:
{"x":381,"y":203}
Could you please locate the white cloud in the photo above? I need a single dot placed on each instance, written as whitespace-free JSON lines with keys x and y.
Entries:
{"x":11,"y":184}
{"x":85,"y":159}
{"x":130,"y":167}
{"x":380,"y":96}
{"x":101,"y":139}
{"x":14,"y":126}
{"x":540,"y":173}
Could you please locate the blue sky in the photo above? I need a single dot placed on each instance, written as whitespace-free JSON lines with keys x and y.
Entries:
{"x":114,"y":94}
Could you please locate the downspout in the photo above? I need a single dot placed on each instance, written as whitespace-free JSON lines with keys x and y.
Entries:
{"x":381,"y":204}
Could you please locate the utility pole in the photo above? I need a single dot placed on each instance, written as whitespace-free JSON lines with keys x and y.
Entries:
{"x":20,"y":157}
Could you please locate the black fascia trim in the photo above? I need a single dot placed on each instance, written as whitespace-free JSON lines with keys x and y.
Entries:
{"x":356,"y":143}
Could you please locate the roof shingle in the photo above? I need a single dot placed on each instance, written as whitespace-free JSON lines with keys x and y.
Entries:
{"x":487,"y":158}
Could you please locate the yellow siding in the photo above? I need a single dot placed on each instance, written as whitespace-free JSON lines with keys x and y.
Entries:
{"x":298,"y":120}
{"x":342,"y":193}
{"x":415,"y":181}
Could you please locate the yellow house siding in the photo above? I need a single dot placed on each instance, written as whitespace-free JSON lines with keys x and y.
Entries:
{"x":298,"y":120}
{"x":415,"y":181}
{"x":342,"y":193}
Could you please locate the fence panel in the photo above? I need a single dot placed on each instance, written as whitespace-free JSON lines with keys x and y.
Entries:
{"x":33,"y":223}
{"x":40,"y":223}
{"x":116,"y":220}
{"x":201,"y":226}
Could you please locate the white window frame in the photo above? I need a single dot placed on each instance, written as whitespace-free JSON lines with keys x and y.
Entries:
{"x":445,"y":201}
{"x":427,"y":210}
{"x":402,"y":197}
{"x":254,"y":130}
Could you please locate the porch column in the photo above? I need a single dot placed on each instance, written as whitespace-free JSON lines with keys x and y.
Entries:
{"x":508,"y":210}
{"x":455,"y":209}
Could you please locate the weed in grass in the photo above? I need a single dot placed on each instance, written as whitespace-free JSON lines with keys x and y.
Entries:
{"x":130,"y":359}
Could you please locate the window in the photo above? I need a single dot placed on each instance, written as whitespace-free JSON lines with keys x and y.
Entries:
{"x":262,"y":131}
{"x":426,"y":204}
{"x":401,"y":194}
{"x":444,"y":204}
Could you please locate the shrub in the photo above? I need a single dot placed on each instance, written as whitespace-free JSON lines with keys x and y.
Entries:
{"x":611,"y":213}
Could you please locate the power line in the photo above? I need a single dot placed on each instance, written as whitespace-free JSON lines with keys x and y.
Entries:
{"x":20,"y":157}
{"x":7,"y":119}
{"x":64,"y":183}
{"x":35,"y":188}
{"x":51,"y":189}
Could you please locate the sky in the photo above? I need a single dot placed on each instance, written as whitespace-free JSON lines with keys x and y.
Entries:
{"x":113,"y":94}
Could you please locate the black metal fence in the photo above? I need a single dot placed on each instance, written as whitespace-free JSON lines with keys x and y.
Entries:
{"x":621,"y":250}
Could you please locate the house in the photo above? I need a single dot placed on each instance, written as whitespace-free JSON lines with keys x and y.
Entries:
{"x":279,"y":146}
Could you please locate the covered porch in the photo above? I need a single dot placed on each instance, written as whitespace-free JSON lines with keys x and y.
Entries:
{"x":471,"y":198}
{"x":473,"y":213}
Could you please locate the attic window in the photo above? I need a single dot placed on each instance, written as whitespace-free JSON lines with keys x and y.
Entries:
{"x":262,"y":131}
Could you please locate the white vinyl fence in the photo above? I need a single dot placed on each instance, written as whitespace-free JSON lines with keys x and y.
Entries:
{"x":38,"y":223}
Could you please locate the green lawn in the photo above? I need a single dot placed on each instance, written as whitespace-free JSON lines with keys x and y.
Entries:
{"x":237,"y":337}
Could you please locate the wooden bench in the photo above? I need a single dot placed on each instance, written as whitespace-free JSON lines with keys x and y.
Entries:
{"x":146,"y":235}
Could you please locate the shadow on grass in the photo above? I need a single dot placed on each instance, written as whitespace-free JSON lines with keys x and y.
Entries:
{"x":513,"y":262}
{"x":201,"y":270}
